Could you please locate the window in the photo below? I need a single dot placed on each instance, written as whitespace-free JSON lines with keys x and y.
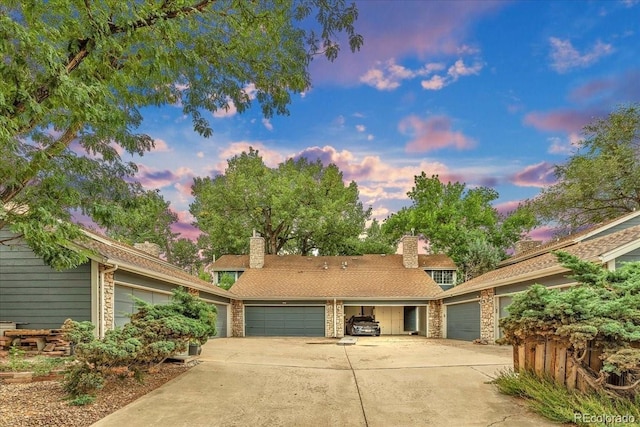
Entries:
{"x":442,"y":277}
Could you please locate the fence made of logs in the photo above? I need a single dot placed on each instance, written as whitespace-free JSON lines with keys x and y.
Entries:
{"x":558,"y":360}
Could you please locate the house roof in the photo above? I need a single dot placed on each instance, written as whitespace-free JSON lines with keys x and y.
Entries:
{"x":600,"y":250}
{"x":364,"y":276}
{"x":241,"y":262}
{"x":558,"y":244}
{"x":128,"y":258}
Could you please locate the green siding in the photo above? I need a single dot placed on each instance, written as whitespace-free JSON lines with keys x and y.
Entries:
{"x":289,"y":321}
{"x":39,"y":297}
{"x":555,"y":280}
{"x":632,"y":256}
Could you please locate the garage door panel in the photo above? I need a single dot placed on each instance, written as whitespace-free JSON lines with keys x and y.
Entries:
{"x":284,"y":321}
{"x":463,"y":321}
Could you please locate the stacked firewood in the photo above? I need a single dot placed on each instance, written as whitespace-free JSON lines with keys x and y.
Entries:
{"x":48,"y":342}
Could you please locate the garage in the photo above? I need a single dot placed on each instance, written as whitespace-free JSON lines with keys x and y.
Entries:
{"x":393,"y":319}
{"x":284,"y":321}
{"x":463,"y":321}
{"x":503,"y":303}
{"x":124,"y":306}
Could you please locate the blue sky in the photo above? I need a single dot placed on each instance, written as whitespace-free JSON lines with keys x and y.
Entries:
{"x":486,"y":93}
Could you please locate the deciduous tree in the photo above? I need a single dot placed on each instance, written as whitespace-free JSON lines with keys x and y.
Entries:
{"x":601,"y":180}
{"x":298,"y":207}
{"x":75,"y":75}
{"x":460,"y":223}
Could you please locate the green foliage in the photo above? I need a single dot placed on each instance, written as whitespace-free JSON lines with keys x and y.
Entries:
{"x":141,"y":217}
{"x":81,"y":380}
{"x":78,"y":332}
{"x":600,"y":181}
{"x":82,"y":400}
{"x":17,"y":362}
{"x":551,"y":400}
{"x":226,"y":281}
{"x":604,"y":310}
{"x":460,"y":223}
{"x":297,"y":207}
{"x":154,"y":333}
{"x":75,"y":76}
{"x":375,"y":241}
{"x":185,"y":254}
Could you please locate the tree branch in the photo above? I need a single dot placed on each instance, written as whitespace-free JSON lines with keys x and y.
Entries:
{"x":44,"y":91}
{"x":36,"y":163}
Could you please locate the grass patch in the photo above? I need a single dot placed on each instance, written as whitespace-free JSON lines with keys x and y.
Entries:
{"x":82,"y":400}
{"x":39,"y":365}
{"x":556,"y":403}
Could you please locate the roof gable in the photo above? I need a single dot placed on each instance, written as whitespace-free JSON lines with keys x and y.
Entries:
{"x":128,"y":258}
{"x":601,"y":249}
{"x":363,"y":276}
{"x":595,"y":231}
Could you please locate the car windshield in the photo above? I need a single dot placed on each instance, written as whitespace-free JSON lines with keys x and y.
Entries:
{"x":363,"y":319}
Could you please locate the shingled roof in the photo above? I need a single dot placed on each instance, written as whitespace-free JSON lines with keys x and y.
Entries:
{"x":558,"y":244}
{"x":599,"y":250}
{"x":112,"y":252}
{"x":365,"y":276}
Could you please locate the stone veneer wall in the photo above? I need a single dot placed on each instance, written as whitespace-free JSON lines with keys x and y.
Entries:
{"x":256,"y":252}
{"x":193,"y":292}
{"x":434,"y":319}
{"x":237,"y":318}
{"x":329,"y":319}
{"x":410,"y":251}
{"x":487,"y":314}
{"x":108,"y":311}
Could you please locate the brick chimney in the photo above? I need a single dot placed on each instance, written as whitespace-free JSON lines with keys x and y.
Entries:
{"x":256,"y":252}
{"x":148,"y":247}
{"x":523,"y":246}
{"x":410,"y":251}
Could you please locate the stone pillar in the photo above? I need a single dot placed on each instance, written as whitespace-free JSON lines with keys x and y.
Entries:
{"x":329,"y":323}
{"x":410,"y":251}
{"x":108,"y":310}
{"x":434,"y":319}
{"x":237,"y":318}
{"x":487,"y":315}
{"x":256,"y":252}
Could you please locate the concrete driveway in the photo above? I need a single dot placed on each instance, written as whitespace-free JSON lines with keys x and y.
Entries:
{"x":395,"y":381}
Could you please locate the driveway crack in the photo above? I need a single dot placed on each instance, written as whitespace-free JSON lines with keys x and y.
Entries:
{"x":500,"y":421}
{"x":355,"y":378}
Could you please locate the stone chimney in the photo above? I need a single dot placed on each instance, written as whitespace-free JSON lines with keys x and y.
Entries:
{"x":256,"y":252}
{"x":410,"y":251}
{"x":148,"y":247}
{"x":523,"y":246}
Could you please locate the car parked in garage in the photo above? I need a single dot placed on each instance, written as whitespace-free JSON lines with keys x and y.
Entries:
{"x":362,"y":325}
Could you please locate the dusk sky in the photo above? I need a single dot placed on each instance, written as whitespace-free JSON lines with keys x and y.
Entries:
{"x":487,"y":93}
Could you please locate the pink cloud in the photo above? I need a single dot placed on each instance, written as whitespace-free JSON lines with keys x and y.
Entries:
{"x":434,"y":133}
{"x":611,"y":90}
{"x":160,"y":145}
{"x":412,"y":29}
{"x":543,"y":233}
{"x":538,"y":175}
{"x":155,"y":178}
{"x":569,"y":121}
{"x":507,"y":207}
{"x":270,"y":157}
